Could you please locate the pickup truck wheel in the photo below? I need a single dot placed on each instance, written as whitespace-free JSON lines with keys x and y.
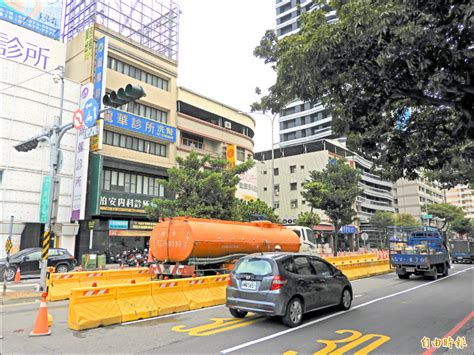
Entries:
{"x":237,"y":313}
{"x":445,"y":270}
{"x":404,"y":276}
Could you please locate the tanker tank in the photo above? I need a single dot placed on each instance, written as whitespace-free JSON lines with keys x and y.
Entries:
{"x":181,"y":238}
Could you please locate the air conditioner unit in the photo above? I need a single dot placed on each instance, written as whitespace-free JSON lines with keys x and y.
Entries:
{"x":228,"y":124}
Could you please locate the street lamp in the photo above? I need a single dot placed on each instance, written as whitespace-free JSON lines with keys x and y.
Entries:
{"x":272,"y":120}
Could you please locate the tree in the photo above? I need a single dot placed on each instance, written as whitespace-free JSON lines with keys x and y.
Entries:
{"x":448,"y":213}
{"x":405,"y":220}
{"x":204,"y":187}
{"x":381,"y":220}
{"x":247,"y":211}
{"x":397,"y":75}
{"x":462,"y":226}
{"x":334,"y":190}
{"x":307,"y":219}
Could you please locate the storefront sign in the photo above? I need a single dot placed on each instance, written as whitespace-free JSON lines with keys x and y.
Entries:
{"x":96,"y":140}
{"x":128,"y":233}
{"x":24,"y":46}
{"x":101,"y":49}
{"x":115,"y":224}
{"x":142,"y":225}
{"x":230,"y":155}
{"x":89,"y":43}
{"x":137,"y":124}
{"x":81,"y":164}
{"x":116,"y":202}
{"x":91,"y":224}
{"x":43,"y":17}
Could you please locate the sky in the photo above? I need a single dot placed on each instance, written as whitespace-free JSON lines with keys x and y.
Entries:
{"x":216,"y":43}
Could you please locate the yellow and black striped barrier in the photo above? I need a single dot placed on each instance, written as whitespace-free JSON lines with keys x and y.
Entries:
{"x":46,"y":243}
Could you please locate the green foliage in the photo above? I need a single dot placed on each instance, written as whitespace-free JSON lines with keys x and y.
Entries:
{"x":405,"y":220}
{"x":204,"y":188}
{"x":382,"y":219}
{"x":376,"y":60}
{"x":246,"y":211}
{"x":448,"y":213}
{"x":307,"y":219}
{"x":462,"y":226}
{"x":334,"y":190}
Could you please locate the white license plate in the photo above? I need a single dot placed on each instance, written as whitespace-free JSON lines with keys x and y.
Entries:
{"x":460,"y":257}
{"x":410,"y":269}
{"x":248,"y":285}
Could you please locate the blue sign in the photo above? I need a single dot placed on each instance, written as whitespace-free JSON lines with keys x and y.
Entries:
{"x":116,"y":224}
{"x":101,"y":48}
{"x":348,"y":229}
{"x":140,"y":125}
{"x":91,"y":112}
{"x":43,"y":17}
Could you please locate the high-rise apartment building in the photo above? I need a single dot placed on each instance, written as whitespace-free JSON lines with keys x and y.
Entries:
{"x":462,"y":196}
{"x":300,"y":121}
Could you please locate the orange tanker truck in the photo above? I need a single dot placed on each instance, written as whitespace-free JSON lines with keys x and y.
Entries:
{"x":183,"y":246}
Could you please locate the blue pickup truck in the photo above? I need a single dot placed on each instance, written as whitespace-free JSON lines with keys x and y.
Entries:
{"x":421,"y":253}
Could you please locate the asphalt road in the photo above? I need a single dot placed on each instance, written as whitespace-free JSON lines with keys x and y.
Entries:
{"x":389,"y":316}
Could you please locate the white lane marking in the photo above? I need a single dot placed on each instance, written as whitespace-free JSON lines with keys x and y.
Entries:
{"x":172,"y":314}
{"x":357,"y":296}
{"x":275,"y":335}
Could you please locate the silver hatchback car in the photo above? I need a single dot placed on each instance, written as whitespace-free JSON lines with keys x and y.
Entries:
{"x":287,"y":285}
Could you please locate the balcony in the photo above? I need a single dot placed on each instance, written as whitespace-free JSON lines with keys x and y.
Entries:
{"x":374,"y":179}
{"x":376,"y":205}
{"x":376,"y":192}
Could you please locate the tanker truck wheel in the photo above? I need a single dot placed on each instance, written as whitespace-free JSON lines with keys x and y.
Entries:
{"x":237,"y":313}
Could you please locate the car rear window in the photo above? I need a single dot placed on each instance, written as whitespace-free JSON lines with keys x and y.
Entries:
{"x":254,"y":266}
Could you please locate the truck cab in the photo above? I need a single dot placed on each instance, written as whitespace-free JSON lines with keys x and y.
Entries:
{"x":308,"y":241}
{"x":461,"y":251}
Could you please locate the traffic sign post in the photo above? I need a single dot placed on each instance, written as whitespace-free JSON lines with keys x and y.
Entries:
{"x":364,"y":236}
{"x":91,"y":112}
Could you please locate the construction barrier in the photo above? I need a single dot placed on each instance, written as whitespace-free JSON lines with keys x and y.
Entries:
{"x":60,"y":285}
{"x":196,"y":291}
{"x":217,"y":287}
{"x":169,"y":297}
{"x":136,"y":302}
{"x":141,"y":275}
{"x":93,"y":307}
{"x":348,"y":259}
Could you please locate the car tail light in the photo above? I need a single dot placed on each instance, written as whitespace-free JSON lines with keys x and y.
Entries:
{"x":277,"y":283}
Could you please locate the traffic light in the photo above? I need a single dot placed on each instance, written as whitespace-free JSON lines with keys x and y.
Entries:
{"x":124,"y":96}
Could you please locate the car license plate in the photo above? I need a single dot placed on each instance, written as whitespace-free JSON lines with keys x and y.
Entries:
{"x":459,"y":257}
{"x":410,"y":269}
{"x":248,"y":285}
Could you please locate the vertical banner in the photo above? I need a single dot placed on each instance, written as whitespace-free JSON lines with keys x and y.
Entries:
{"x":89,"y":42}
{"x":45,"y":198}
{"x":79,"y":184}
{"x":230,"y":154}
{"x":101,"y":49}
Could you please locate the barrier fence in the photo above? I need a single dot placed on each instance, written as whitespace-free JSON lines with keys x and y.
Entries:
{"x":92,"y":307}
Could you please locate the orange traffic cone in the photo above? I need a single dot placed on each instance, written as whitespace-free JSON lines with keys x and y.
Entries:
{"x":41,"y":323}
{"x":17,"y":275}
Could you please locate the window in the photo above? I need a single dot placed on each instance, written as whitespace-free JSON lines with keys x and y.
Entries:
{"x":254,"y":266}
{"x":240,"y":154}
{"x":264,"y":189}
{"x":147,"y":111}
{"x":276,"y":189}
{"x":34,"y":256}
{"x":264,"y":172}
{"x":293,"y":186}
{"x":275,"y":172}
{"x":289,"y":265}
{"x":1,"y":177}
{"x":302,"y":167}
{"x":303,"y":267}
{"x":276,"y":205}
{"x":294,"y":204}
{"x":132,"y":143}
{"x":293,"y":169}
{"x":322,"y":269}
{"x":132,"y":183}
{"x":137,"y":73}
{"x":193,"y":141}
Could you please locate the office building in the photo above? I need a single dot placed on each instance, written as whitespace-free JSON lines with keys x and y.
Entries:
{"x":462,"y":196}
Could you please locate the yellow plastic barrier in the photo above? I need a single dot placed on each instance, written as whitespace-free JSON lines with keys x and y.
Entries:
{"x":196,"y":291}
{"x":89,"y":277}
{"x":116,"y":277}
{"x":141,"y":275}
{"x":60,"y":286}
{"x":217,"y":287}
{"x":169,"y":297}
{"x":92,"y":307}
{"x":136,"y":302}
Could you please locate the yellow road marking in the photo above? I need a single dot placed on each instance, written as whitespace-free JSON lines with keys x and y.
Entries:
{"x":352,"y":341}
{"x":218,"y":325}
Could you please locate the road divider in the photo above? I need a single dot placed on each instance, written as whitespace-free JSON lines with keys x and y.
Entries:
{"x":196,"y":291}
{"x":136,"y":301}
{"x":169,"y":297}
